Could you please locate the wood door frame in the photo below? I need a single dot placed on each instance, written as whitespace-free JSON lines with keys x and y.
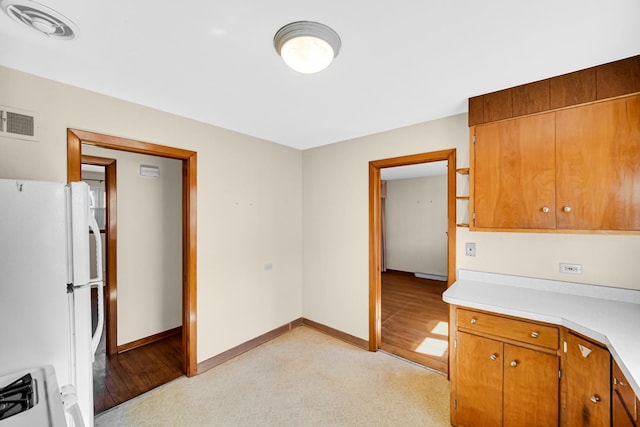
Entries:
{"x":110,"y":234}
{"x":75,"y":139}
{"x":375,"y":285}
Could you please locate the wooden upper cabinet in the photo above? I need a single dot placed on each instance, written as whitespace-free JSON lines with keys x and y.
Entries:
{"x":498,"y":105}
{"x":514,"y":173}
{"x":531,"y":98}
{"x":572,"y":89}
{"x":605,"y":81}
{"x":618,"y":78}
{"x":476,"y":110}
{"x":587,"y":373}
{"x":598,"y":166}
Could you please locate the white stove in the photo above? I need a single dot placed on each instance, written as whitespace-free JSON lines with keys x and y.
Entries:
{"x":31,"y":398}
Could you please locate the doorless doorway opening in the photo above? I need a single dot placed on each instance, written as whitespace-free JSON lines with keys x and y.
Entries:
{"x":375,"y":287}
{"x":75,"y":139}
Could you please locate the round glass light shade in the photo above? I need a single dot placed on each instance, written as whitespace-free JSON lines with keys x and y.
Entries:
{"x":307,"y":47}
{"x":307,"y":54}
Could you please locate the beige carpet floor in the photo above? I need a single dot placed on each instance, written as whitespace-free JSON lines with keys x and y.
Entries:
{"x":302,"y":378}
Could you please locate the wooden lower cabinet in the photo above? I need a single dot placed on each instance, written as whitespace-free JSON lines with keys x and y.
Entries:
{"x":624,"y":408}
{"x":621,"y":418}
{"x":531,"y":388}
{"x":501,"y":384}
{"x":587,"y":380}
{"x":479,"y":381}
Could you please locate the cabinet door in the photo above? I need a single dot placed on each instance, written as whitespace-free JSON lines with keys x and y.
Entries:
{"x":598,"y":158}
{"x":588,"y":373}
{"x":621,"y":418}
{"x":625,"y":403}
{"x":531,"y":388}
{"x":479,"y":381}
{"x":514,"y":173}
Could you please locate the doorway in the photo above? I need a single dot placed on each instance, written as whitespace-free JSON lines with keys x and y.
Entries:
{"x":375,"y":235}
{"x":75,"y":139}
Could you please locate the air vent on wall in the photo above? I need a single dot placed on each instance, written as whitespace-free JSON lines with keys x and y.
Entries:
{"x":15,"y":123}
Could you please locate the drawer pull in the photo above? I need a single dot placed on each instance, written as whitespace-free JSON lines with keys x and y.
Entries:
{"x":473,"y":321}
{"x":595,"y":398}
{"x":567,"y":209}
{"x":513,"y":363}
{"x":493,"y":357}
{"x":534,"y":335}
{"x":545,"y":209}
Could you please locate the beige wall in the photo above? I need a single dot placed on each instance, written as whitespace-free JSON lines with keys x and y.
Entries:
{"x":149,"y":217}
{"x":249,"y":198}
{"x":250,"y":194}
{"x":335,"y":209}
{"x":335,"y":218}
{"x":416,"y":225}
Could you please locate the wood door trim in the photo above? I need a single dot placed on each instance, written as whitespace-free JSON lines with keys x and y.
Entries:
{"x":375,"y":298}
{"x":76,"y":137}
{"x":111,"y":234}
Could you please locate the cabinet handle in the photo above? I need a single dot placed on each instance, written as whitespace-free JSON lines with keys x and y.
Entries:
{"x":595,"y":398}
{"x":513,"y":363}
{"x":473,"y":321}
{"x":534,"y":335}
{"x":545,"y":209}
{"x":567,"y":209}
{"x":493,"y":357}
{"x":618,"y":382}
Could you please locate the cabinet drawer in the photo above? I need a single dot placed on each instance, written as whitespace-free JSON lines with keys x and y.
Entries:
{"x":622,"y":388}
{"x":519,"y":330}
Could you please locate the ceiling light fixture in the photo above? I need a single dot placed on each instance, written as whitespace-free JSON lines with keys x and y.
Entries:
{"x":40,"y":18}
{"x":306,"y":46}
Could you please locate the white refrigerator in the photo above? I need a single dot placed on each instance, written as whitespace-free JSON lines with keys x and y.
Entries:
{"x":45,"y":296}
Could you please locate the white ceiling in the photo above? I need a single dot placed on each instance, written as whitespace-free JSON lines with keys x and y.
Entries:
{"x":401,"y":62}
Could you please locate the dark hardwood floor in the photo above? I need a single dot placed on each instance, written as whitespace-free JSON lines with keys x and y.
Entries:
{"x":124,"y":376}
{"x":415,"y":320}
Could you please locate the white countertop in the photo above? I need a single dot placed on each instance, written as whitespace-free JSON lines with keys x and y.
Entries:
{"x":608,"y":315}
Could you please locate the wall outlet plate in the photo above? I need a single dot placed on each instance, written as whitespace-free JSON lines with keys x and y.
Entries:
{"x":470,"y":249}
{"x":570,"y":268}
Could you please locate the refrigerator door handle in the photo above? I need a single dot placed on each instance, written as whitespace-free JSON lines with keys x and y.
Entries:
{"x":97,"y":335}
{"x":93,"y":225}
{"x":96,"y":282}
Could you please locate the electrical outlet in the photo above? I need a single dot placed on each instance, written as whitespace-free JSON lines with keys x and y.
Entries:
{"x":570,"y":268}
{"x":470,"y":249}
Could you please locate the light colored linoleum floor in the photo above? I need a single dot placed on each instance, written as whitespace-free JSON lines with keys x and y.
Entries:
{"x":302,"y":378}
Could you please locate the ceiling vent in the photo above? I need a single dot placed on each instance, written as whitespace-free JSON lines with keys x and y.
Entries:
{"x":40,"y":18}
{"x":16,"y":123}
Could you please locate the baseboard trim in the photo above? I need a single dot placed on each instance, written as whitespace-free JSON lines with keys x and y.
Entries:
{"x":343,"y":336}
{"x":148,"y":340}
{"x":246,"y":346}
{"x":431,"y":276}
{"x":268,"y":336}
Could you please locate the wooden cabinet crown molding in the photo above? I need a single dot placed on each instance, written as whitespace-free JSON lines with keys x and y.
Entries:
{"x":591,"y":84}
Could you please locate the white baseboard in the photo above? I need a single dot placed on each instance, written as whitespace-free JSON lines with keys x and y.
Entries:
{"x":439,"y":277}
